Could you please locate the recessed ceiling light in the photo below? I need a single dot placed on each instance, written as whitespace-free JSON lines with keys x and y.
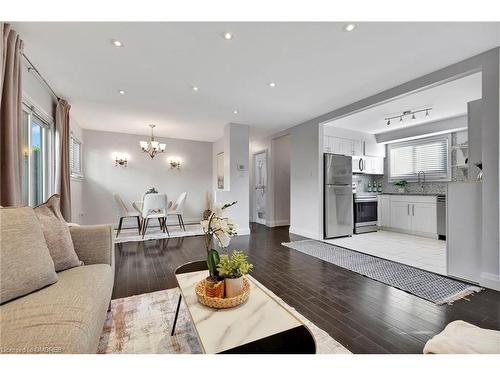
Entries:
{"x":195,"y":88}
{"x":235,"y":112}
{"x":350,"y":27}
{"x":272,"y":84}
{"x":228,"y":36}
{"x":121,"y":92}
{"x":117,"y":43}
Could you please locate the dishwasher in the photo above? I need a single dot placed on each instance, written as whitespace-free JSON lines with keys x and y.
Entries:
{"x":441,"y":217}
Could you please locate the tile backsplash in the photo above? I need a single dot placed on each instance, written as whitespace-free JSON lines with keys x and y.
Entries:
{"x":458,"y":174}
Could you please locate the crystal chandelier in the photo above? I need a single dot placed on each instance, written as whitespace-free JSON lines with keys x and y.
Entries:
{"x":152,"y":147}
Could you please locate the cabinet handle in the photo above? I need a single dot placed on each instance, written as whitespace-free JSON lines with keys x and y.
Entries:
{"x":413,"y":210}
{"x":408,"y":209}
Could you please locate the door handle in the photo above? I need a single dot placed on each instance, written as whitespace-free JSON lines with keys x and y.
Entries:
{"x":408,"y":209}
{"x":360,"y":164}
{"x":413,"y":210}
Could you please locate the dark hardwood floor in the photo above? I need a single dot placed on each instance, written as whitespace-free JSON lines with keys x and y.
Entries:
{"x":364,"y":315}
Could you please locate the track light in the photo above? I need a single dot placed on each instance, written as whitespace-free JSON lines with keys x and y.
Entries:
{"x":408,"y":113}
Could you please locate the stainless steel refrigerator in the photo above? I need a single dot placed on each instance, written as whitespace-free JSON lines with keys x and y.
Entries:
{"x":338,"y":197}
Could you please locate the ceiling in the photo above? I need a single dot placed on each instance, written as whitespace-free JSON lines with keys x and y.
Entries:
{"x":317,"y":68}
{"x":446,"y":100}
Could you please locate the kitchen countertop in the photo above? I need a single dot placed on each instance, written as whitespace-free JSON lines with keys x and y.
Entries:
{"x":419,"y":194}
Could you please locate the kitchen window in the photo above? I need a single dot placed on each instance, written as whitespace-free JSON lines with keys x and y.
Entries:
{"x":75,"y":157}
{"x":430,"y":155}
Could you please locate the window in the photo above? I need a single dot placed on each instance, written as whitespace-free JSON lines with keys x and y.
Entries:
{"x":430,"y":155}
{"x":37,"y":156}
{"x":75,"y":157}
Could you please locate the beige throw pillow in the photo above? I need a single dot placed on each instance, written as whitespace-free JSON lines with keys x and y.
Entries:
{"x":57,"y":235}
{"x":25,"y":262}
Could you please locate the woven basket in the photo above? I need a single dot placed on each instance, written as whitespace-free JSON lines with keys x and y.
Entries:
{"x":222,"y":303}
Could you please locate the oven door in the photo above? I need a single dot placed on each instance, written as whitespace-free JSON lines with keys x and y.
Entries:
{"x":365,"y":213}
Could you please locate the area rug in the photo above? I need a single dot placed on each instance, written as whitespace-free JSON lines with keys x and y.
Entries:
{"x":141,"y":325}
{"x":427,"y":285}
{"x":155,"y":233}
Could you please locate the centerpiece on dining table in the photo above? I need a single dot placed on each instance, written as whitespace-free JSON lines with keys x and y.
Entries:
{"x":226,"y":285}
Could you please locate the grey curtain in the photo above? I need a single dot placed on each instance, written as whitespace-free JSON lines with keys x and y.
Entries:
{"x":10,"y":116}
{"x":62,"y":126}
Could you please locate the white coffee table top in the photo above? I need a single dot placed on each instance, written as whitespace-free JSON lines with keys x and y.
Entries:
{"x":219,"y":330}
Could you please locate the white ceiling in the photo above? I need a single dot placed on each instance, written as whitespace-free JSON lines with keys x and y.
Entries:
{"x":317,"y":67}
{"x":446,"y":100}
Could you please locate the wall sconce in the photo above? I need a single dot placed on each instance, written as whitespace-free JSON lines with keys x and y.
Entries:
{"x":175,"y":163}
{"x":120,"y":160}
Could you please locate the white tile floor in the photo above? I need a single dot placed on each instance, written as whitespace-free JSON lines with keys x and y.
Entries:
{"x":425,"y":253}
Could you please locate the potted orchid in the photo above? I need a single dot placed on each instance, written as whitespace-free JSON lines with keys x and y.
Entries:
{"x":221,"y":228}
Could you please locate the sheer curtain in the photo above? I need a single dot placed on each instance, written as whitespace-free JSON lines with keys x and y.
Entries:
{"x":62,"y":127}
{"x":10,"y":116}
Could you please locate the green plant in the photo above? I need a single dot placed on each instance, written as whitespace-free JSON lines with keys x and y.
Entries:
{"x":234,"y":265}
{"x":222,"y":228}
{"x":401,"y":184}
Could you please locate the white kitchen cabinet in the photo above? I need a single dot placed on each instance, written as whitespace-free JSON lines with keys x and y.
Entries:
{"x":384,"y":211}
{"x":413,"y":214}
{"x":424,"y":217}
{"x":374,"y":165}
{"x":342,"y":146}
{"x":400,"y":215}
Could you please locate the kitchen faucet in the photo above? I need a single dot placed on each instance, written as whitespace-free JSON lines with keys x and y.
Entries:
{"x":418,"y":180}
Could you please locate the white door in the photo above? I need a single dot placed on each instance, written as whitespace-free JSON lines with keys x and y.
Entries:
{"x":336,"y":145}
{"x":347,"y":147}
{"x":384,"y":217}
{"x":357,"y":148}
{"x":424,"y":218}
{"x":260,"y":187}
{"x":400,"y":215}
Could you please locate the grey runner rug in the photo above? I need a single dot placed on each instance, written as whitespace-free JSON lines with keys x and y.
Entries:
{"x":424,"y":284}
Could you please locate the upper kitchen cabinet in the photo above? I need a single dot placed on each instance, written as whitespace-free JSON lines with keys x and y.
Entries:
{"x":343,"y":146}
{"x":374,"y":165}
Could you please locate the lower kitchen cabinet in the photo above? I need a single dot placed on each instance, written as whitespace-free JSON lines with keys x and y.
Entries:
{"x":413,"y":214}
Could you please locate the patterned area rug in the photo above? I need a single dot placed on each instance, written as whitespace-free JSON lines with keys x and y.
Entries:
{"x":142,"y":324}
{"x":427,"y":285}
{"x":155,"y":233}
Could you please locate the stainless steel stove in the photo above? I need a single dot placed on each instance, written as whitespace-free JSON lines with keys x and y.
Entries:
{"x":365,"y":213}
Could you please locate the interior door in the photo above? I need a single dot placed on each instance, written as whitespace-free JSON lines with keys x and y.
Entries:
{"x":260,"y":187}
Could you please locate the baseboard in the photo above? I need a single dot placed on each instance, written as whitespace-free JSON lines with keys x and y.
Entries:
{"x":490,"y":280}
{"x":243,"y":231}
{"x":304,"y":233}
{"x":278,"y":223}
{"x":419,"y":234}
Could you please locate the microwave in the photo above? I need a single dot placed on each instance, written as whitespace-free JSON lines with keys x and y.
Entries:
{"x":358,"y":164}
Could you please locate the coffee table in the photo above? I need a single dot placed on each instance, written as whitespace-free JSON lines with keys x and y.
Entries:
{"x":260,"y":325}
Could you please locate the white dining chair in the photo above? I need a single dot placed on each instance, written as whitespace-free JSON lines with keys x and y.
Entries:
{"x":124,"y":212}
{"x":154,"y":207}
{"x":178,"y":209}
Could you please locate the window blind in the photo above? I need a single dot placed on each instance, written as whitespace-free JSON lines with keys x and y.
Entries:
{"x":75,"y":156}
{"x":430,"y":155}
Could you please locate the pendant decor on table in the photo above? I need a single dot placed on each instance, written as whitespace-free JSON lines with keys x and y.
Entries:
{"x":225,"y":286}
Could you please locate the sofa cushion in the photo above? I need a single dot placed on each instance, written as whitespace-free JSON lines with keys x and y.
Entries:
{"x":66,"y":317}
{"x":25,"y":262}
{"x":57,"y":235}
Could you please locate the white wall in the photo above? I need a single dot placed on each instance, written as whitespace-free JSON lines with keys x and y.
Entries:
{"x":102,"y":177}
{"x":306,"y":215}
{"x":236,"y":182}
{"x":280,"y":162}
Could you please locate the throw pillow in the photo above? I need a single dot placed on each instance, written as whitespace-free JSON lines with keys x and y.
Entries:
{"x":25,"y":262}
{"x":57,"y":235}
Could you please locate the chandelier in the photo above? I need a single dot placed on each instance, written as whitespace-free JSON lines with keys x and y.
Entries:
{"x":152,"y":147}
